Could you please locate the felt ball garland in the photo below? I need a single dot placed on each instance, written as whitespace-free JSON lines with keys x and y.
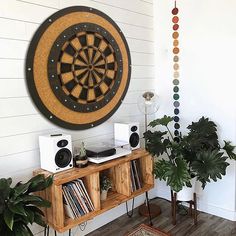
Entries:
{"x":176,"y":75}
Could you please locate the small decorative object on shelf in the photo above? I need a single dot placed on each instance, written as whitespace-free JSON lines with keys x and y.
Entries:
{"x":105,"y":185}
{"x":81,"y":159}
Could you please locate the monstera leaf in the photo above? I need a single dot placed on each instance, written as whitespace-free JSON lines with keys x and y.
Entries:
{"x":210,"y":165}
{"x":155,"y":142}
{"x":175,"y":173}
{"x":165,"y":120}
{"x":229,"y":150}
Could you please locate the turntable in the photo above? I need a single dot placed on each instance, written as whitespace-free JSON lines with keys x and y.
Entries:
{"x":107,"y":151}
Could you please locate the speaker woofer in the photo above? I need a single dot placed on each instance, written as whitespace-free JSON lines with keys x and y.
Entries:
{"x":63,"y":157}
{"x":134,"y":140}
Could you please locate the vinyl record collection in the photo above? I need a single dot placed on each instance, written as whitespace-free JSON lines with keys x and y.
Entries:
{"x":136,"y":180}
{"x":76,"y":199}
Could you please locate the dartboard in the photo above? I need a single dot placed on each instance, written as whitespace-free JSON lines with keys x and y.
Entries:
{"x":78,"y":67}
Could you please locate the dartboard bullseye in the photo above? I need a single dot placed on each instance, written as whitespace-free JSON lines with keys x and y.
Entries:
{"x":78,"y":67}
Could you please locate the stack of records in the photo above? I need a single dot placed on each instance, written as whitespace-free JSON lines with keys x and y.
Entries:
{"x":136,"y":177}
{"x":76,"y":199}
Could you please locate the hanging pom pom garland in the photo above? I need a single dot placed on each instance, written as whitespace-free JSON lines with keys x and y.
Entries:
{"x":175,"y":36}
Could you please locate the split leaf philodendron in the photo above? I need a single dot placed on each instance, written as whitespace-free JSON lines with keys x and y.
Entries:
{"x":197,"y":154}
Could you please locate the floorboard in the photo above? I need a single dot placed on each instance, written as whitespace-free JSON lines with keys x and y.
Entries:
{"x":208,"y":225}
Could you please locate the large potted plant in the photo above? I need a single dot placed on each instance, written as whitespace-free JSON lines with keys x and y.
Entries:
{"x":197,"y":154}
{"x":19,"y":205}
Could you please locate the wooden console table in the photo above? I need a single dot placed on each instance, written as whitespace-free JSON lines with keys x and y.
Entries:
{"x":119,"y":171}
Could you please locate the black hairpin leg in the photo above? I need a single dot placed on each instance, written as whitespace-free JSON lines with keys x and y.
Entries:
{"x":45,"y":231}
{"x":55,"y":232}
{"x":48,"y":228}
{"x":69,"y":232}
{"x":132,"y":209}
{"x":149,"y":212}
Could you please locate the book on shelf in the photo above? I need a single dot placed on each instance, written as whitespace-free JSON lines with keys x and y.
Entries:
{"x":136,"y":177}
{"x":76,"y":199}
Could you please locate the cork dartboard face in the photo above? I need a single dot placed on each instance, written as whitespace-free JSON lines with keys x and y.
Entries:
{"x":78,"y":67}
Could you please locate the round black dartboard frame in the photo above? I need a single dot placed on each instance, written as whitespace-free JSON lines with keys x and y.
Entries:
{"x":78,"y":68}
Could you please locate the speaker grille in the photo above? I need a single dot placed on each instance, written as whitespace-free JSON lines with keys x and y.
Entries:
{"x":63,"y":157}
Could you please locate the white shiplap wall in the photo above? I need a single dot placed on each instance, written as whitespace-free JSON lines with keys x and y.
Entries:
{"x":20,"y":121}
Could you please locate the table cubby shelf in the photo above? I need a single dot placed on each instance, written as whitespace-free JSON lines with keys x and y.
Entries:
{"x":119,"y":171}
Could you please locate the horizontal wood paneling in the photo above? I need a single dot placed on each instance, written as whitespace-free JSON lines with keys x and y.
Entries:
{"x":22,"y":11}
{"x":19,"y":31}
{"x":20,"y":121}
{"x":118,"y":14}
{"x":133,"y":6}
{"x":13,"y":88}
{"x":26,"y":159}
{"x":17,"y":49}
{"x":23,"y":106}
{"x":15,"y":69}
{"x":25,"y":30}
{"x":13,"y":48}
{"x":16,"y":107}
{"x":23,"y":124}
{"x":51,"y":3}
{"x":11,"y":68}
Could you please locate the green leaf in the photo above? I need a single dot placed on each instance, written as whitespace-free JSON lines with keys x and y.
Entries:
{"x":176,"y":174}
{"x":202,"y":135}
{"x":5,"y":188}
{"x":43,"y":203}
{"x":17,"y":209}
{"x":30,"y":198}
{"x":29,"y":215}
{"x":21,"y":230}
{"x":210,"y":165}
{"x":39,"y":183}
{"x":21,"y":189}
{"x":36,"y":209}
{"x":2,"y":205}
{"x":49,"y":181}
{"x":39,"y":220}
{"x":155,"y":142}
{"x":8,"y":218}
{"x":162,"y":121}
{"x":230,"y":150}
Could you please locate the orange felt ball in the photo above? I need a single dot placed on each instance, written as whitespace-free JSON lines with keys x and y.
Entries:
{"x":175,"y":19}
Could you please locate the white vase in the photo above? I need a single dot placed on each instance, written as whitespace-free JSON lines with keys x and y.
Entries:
{"x":186,"y":194}
{"x":103,"y":195}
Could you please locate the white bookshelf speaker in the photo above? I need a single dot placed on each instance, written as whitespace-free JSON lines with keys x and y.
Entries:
{"x":55,"y":152}
{"x":129,"y":133}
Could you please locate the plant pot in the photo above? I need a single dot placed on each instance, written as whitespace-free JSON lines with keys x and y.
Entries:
{"x":80,"y":161}
{"x":104,"y":195}
{"x":186,"y":194}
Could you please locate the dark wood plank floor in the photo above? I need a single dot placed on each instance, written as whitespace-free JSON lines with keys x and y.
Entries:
{"x":208,"y":225}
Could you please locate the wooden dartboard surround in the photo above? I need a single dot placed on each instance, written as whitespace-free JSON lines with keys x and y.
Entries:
{"x":78,"y":67}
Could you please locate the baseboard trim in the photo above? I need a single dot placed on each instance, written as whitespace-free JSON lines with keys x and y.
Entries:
{"x":217,"y":211}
